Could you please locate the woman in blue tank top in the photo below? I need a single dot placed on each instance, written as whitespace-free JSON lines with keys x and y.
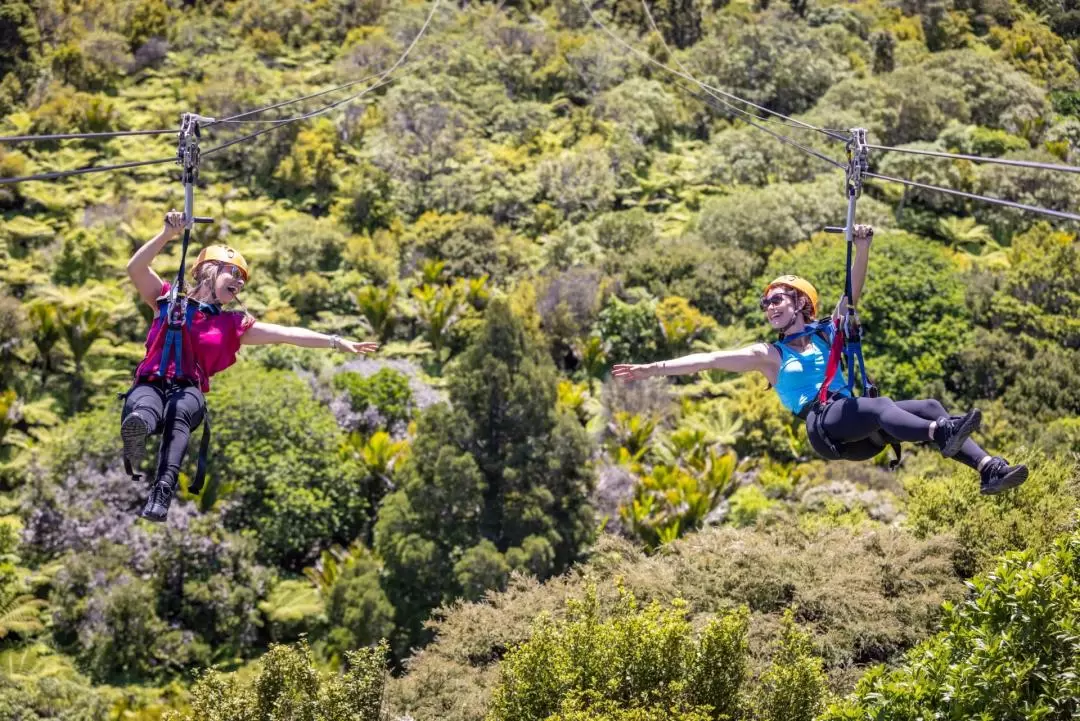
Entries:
{"x":843,"y":427}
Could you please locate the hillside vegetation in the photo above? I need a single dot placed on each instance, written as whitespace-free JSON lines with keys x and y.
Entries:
{"x":478,"y":522}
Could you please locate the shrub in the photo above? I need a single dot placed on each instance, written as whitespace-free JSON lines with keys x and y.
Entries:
{"x":634,"y":660}
{"x":945,"y":499}
{"x":794,"y":687}
{"x":385,"y":394}
{"x":824,"y":575}
{"x":288,"y":686}
{"x":1009,"y":651}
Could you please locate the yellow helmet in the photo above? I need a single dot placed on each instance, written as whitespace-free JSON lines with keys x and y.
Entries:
{"x":794,"y":281}
{"x":222,"y":254}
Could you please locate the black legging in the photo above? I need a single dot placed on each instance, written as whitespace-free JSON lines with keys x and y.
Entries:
{"x":174,"y":411}
{"x":851,"y":421}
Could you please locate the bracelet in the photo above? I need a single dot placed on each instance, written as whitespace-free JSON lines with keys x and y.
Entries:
{"x":334,"y":341}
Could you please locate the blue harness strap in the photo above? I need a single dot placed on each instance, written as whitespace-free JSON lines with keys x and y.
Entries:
{"x":174,"y":335}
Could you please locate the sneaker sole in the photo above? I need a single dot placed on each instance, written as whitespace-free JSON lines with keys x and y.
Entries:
{"x":970,"y":426}
{"x":1009,"y":480}
{"x":133,"y":431}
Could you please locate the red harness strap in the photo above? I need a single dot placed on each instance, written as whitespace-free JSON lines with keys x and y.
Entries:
{"x":834,"y":362}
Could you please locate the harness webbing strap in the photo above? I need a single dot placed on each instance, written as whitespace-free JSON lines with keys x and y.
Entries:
{"x":833,"y":363}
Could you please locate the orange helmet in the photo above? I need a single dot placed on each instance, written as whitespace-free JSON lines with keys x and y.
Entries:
{"x":794,"y":281}
{"x":222,"y":254}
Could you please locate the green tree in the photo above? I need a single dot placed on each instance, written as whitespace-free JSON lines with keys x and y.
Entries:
{"x":502,"y":474}
{"x":19,"y":41}
{"x":357,"y":608}
{"x":302,"y":245}
{"x":278,"y":448}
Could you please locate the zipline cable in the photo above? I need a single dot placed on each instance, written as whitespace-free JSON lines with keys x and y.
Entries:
{"x":236,"y":118}
{"x":384,"y":75}
{"x":384,"y":78}
{"x":981,"y":159}
{"x":782,"y":138}
{"x":83,"y":171}
{"x":381,"y":76}
{"x":716,"y":94}
{"x":82,"y":136}
{"x":999,"y":201}
{"x":778,"y":136}
{"x":257,"y":133}
{"x":793,"y":122}
{"x":973,"y":196}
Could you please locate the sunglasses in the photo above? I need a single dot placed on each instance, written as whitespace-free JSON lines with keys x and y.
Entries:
{"x":772,"y":300}
{"x":233,"y":270}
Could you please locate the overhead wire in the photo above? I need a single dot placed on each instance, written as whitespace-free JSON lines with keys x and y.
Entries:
{"x":275,"y":106}
{"x":999,"y":201}
{"x":81,"y":136}
{"x":1034,"y":164}
{"x":974,"y":196}
{"x":384,"y":76}
{"x":778,"y":136}
{"x":320,"y":111}
{"x":82,"y":171}
{"x":791,"y":122}
{"x":285,"y":121}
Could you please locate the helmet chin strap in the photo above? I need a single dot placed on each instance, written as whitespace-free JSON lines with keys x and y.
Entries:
{"x":794,"y":317}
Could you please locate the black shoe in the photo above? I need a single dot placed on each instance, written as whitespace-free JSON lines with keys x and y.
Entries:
{"x":998,"y":475}
{"x":134,"y":431}
{"x":952,"y":431}
{"x":157,"y":503}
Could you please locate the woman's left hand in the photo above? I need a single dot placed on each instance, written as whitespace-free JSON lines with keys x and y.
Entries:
{"x":352,"y":346}
{"x":862,"y":235}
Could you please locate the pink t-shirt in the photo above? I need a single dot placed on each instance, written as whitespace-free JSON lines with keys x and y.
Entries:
{"x":210,"y":344}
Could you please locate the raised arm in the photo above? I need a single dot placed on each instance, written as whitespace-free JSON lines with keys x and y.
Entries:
{"x":146,"y":281}
{"x":862,"y":236}
{"x":269,"y":333}
{"x":756,"y":357}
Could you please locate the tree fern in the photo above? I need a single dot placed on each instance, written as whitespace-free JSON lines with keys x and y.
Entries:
{"x":33,"y":662}
{"x":20,"y":614}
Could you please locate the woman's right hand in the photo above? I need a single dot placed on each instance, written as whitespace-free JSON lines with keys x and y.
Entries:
{"x":174,"y":224}
{"x":631,"y":371}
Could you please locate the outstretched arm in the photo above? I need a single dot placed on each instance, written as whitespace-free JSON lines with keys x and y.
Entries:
{"x":750,"y":358}
{"x":862,"y":236}
{"x":269,"y":333}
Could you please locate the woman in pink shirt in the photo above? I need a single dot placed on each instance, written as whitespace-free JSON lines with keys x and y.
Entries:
{"x":167,"y":395}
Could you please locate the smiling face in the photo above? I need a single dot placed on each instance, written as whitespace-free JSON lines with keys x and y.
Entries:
{"x":229,"y":282}
{"x":217,"y":282}
{"x":780,"y":305}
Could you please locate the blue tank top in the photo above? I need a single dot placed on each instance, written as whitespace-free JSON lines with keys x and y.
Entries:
{"x":802,"y":372}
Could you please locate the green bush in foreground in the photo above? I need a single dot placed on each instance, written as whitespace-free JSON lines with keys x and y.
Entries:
{"x":289,"y":688}
{"x":640,"y":664}
{"x":1012,"y":651}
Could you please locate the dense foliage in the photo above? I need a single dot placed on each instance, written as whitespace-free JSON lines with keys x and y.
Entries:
{"x":524,"y":203}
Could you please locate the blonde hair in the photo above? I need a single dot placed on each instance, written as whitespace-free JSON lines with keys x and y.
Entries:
{"x":206,"y":278}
